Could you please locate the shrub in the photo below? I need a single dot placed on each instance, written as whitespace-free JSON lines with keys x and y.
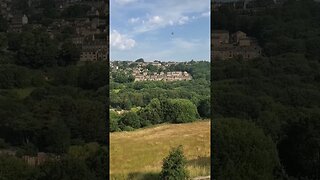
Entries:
{"x":130,"y":119}
{"x":174,"y":166}
{"x":179,"y":111}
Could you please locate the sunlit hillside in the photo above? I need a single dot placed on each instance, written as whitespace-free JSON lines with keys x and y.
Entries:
{"x":139,"y":154}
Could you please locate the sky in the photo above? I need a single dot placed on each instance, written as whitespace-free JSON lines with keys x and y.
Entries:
{"x":165,"y":30}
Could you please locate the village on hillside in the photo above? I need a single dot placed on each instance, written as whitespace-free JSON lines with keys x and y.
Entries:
{"x":91,"y":35}
{"x":150,"y":71}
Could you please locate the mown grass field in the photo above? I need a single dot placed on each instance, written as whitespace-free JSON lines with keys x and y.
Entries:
{"x":139,"y":154}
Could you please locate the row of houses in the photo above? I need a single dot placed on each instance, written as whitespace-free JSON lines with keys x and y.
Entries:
{"x":94,"y":48}
{"x":227,"y":46}
{"x":169,"y":76}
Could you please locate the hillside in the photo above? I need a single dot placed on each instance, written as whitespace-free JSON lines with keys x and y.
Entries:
{"x":138,"y":154}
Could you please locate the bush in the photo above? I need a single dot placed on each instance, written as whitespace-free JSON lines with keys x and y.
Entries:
{"x":179,"y":111}
{"x":242,"y":151}
{"x":204,"y":108}
{"x":130,"y":119}
{"x":174,"y":166}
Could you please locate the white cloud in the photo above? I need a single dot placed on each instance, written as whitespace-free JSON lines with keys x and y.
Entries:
{"x":156,"y":20}
{"x":183,"y":20}
{"x":124,"y":2}
{"x":205,"y":14}
{"x":134,"y":20}
{"x":162,"y":13}
{"x":120,"y":41}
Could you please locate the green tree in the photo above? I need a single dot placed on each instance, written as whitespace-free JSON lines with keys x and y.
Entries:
{"x":140,"y":60}
{"x":58,"y":137}
{"x":204,"y":108}
{"x":151,"y":113}
{"x":67,"y":168}
{"x":130,"y":119}
{"x":3,"y":24}
{"x":242,"y":151}
{"x":69,"y":54}
{"x":113,"y":124}
{"x":179,"y":110}
{"x":174,"y":166}
{"x":92,"y":76}
{"x":36,"y":50}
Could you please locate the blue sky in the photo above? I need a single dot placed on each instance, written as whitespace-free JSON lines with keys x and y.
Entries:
{"x":165,"y":30}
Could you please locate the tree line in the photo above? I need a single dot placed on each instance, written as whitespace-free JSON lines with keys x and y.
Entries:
{"x":156,"y":102}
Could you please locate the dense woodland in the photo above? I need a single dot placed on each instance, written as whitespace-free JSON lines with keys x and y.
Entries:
{"x":154,"y":102}
{"x":51,"y":103}
{"x":266,"y":111}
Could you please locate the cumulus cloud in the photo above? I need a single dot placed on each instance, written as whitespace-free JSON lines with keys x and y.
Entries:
{"x":156,"y":20}
{"x":134,"y":20}
{"x":120,"y":41}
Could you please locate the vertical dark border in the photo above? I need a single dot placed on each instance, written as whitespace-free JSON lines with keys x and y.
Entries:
{"x":211,"y":92}
{"x":108,"y":87}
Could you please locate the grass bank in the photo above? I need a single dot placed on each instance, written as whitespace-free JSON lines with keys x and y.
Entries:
{"x":139,"y":154}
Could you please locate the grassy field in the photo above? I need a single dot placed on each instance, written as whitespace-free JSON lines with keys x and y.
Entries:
{"x":139,"y":154}
{"x":19,"y":93}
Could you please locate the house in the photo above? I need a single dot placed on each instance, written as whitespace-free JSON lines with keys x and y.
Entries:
{"x":237,"y":45}
{"x":94,"y":49}
{"x":17,"y":22}
{"x":169,"y":76}
{"x":220,"y":37}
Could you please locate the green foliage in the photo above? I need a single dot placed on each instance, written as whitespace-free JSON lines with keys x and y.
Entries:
{"x":179,"y":111}
{"x":76,"y":11}
{"x":130,"y":119}
{"x":121,"y":77}
{"x":242,"y":151}
{"x":69,"y":55}
{"x":66,"y":168}
{"x":113,"y":124}
{"x":92,"y":76}
{"x":152,"y":113}
{"x":157,"y":101}
{"x":49,"y":104}
{"x":12,"y":76}
{"x":174,"y":166}
{"x":152,"y":68}
{"x":204,"y":108}
{"x":3,"y":25}
{"x":90,"y":120}
{"x":299,"y":150}
{"x":139,"y":60}
{"x":36,"y":49}
{"x":14,"y":168}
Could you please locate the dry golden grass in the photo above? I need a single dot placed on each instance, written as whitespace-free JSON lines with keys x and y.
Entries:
{"x":139,"y":154}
